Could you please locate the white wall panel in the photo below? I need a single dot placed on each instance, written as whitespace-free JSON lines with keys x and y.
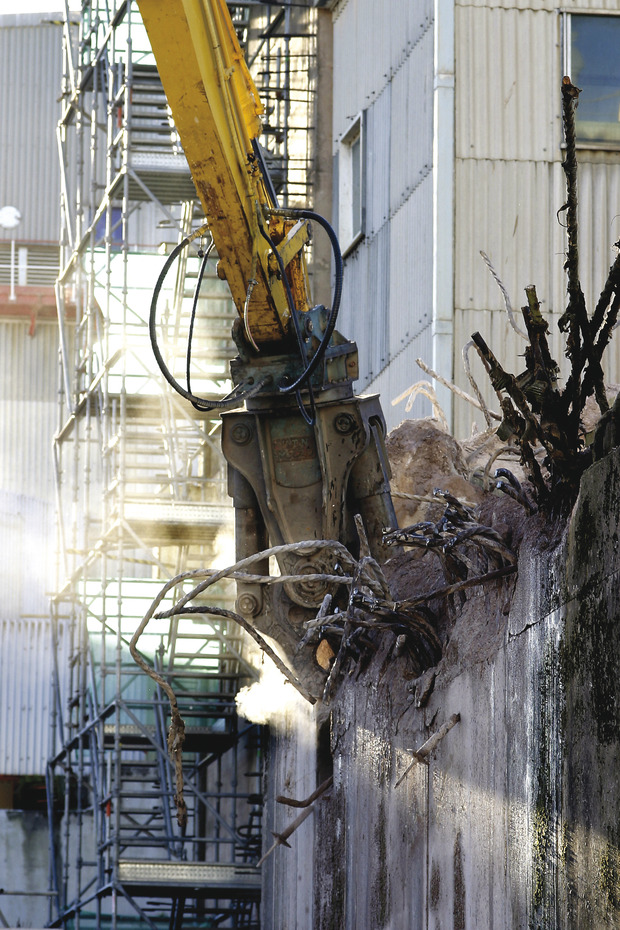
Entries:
{"x":377,"y":162}
{"x":28,"y":377}
{"x":411,"y":262}
{"x":400,"y":374}
{"x":508,"y":210}
{"x":550,"y":5}
{"x":26,"y":531}
{"x":599,"y":219}
{"x":412,"y":121}
{"x":384,"y":65}
{"x":508,"y":84}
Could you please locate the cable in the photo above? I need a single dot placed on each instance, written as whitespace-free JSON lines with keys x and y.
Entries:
{"x":201,"y":403}
{"x":239,"y":393}
{"x":331,"y":322}
{"x":203,"y":268}
{"x":309,"y":418}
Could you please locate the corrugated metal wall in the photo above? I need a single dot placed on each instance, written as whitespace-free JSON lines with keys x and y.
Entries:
{"x":28,"y":407}
{"x":30,"y":46}
{"x":28,"y":412}
{"x":383,"y":65}
{"x":25,"y":694}
{"x":30,"y":82}
{"x":509,"y":182}
{"x":26,"y":531}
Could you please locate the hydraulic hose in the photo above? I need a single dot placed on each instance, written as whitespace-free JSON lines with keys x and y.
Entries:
{"x":331,"y":321}
{"x":201,"y":403}
{"x":201,"y":273}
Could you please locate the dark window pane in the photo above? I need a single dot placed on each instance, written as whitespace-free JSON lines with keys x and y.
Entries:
{"x":595,"y":65}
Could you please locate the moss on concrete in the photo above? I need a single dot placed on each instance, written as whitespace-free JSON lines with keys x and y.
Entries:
{"x":380,"y":901}
{"x":609,"y":876}
{"x":589,"y":659}
{"x":545,"y":813}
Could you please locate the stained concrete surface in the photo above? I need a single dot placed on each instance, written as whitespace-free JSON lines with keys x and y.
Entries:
{"x":515,"y":822}
{"x":24,"y":867}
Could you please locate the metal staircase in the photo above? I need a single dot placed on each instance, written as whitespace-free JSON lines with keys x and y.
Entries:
{"x":122,"y":806}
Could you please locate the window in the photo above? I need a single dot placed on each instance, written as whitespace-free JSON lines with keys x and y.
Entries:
{"x":592,"y":58}
{"x":116,"y":229}
{"x":351,"y":185}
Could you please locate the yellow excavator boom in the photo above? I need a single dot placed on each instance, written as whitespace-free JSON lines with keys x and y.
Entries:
{"x":216,"y":110}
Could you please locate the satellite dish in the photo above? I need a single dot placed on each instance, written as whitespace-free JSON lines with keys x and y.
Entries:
{"x":9,"y":217}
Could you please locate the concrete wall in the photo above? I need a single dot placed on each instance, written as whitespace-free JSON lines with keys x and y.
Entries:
{"x":24,"y":867}
{"x":515,"y":821}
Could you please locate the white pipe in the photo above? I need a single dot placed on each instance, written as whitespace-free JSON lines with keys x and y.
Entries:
{"x":443,"y":201}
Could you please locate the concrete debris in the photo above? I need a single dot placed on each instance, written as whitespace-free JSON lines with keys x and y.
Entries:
{"x":424,"y":456}
{"x":462,"y":544}
{"x":423,"y":687}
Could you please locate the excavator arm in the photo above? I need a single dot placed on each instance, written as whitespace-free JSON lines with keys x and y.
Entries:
{"x":305,"y":455}
{"x":216,"y":111}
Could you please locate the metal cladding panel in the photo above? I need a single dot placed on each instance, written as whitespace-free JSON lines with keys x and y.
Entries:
{"x":573,"y":6}
{"x":412,"y":121}
{"x":30,"y":82}
{"x":599,"y":230}
{"x":26,"y":530}
{"x":509,"y":210}
{"x":377,"y":162}
{"x":599,"y":220}
{"x":25,"y":689}
{"x":370,"y":45}
{"x":383,"y":309}
{"x":28,"y":407}
{"x":411,"y":264}
{"x":365,"y":315}
{"x":507,"y":101}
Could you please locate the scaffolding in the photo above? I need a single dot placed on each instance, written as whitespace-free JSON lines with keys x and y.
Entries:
{"x":141,"y":492}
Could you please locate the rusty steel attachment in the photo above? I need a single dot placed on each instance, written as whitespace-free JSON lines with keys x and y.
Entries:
{"x":292,"y":480}
{"x":510,"y":485}
{"x":454,"y":538}
{"x":307,"y":808}
{"x":292,"y":802}
{"x":421,"y":755}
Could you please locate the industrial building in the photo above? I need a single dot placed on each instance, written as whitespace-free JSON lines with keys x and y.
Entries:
{"x":428,"y":135}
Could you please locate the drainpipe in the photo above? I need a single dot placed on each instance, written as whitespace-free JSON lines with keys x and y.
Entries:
{"x":443,"y":201}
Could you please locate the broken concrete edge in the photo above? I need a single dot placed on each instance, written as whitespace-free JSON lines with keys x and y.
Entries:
{"x":519,"y":808}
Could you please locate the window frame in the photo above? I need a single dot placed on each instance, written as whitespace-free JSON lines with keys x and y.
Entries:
{"x":567,"y":16}
{"x":348,"y":235}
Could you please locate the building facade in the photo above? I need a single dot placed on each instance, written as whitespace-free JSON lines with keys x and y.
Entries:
{"x":29,"y":259}
{"x":459,"y":111}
